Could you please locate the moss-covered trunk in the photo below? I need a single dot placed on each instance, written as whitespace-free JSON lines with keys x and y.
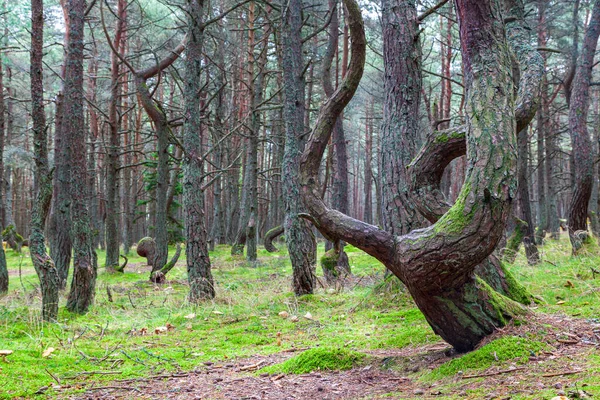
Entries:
{"x":437,"y":263}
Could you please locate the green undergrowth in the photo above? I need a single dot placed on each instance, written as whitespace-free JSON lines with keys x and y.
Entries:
{"x":318,"y":359}
{"x":508,"y":348}
{"x":370,"y":314}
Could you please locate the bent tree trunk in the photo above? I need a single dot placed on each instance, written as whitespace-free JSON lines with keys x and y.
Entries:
{"x":271,"y":235}
{"x":437,"y":263}
{"x":580,"y":138}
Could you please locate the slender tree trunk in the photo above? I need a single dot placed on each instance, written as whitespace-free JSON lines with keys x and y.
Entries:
{"x":44,"y":266}
{"x":298,"y":235}
{"x":83,"y":284}
{"x":528,"y":239}
{"x":198,"y":261}
{"x":580,"y":139}
{"x":114,"y":148}
{"x":3,"y":267}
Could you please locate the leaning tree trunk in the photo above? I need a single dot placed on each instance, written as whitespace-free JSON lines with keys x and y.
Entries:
{"x":580,"y":138}
{"x":437,"y":263}
{"x":81,"y":295}
{"x":198,"y":261}
{"x":3,"y":267}
{"x":44,"y":266}
{"x":298,"y":235}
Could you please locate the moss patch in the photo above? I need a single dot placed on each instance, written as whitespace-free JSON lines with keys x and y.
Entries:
{"x":508,"y":348}
{"x":329,"y":359}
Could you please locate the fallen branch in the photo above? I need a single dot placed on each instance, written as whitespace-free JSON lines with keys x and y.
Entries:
{"x":115,"y":388}
{"x":94,"y":373}
{"x":562,"y":373}
{"x":506,"y":371}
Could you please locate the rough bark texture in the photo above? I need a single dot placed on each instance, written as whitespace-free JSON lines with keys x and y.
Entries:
{"x":198,"y":262}
{"x":580,"y":138}
{"x":437,"y":263}
{"x":531,"y":251}
{"x":400,"y":133}
{"x":113,"y":148}
{"x":43,"y":264}
{"x":3,"y":267}
{"x":298,"y":235}
{"x":340,"y":152}
{"x":81,"y":295}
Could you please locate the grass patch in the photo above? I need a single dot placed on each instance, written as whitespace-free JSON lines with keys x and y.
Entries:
{"x":508,"y":348}
{"x":318,"y":359}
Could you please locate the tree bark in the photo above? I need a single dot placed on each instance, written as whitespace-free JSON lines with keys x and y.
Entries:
{"x":580,"y":139}
{"x":298,"y":235}
{"x":437,"y":263}
{"x":43,"y":264}
{"x":83,"y":285}
{"x":531,"y":251}
{"x":114,"y":147}
{"x":3,"y":267}
{"x":198,"y":261}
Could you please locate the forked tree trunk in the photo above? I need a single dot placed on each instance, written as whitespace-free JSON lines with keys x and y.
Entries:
{"x":437,"y":263}
{"x":81,"y":295}
{"x":44,"y":266}
{"x":298,"y":235}
{"x":198,"y":261}
{"x":580,"y":138}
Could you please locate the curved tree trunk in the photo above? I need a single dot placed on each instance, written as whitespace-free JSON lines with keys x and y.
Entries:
{"x":437,"y":263}
{"x":580,"y":138}
{"x":198,"y":261}
{"x":271,"y":235}
{"x":298,"y":235}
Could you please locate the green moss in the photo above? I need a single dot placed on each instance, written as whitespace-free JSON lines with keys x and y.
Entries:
{"x":329,"y":260}
{"x":144,"y":240}
{"x":508,"y":348}
{"x":330,"y":359}
{"x":443,"y":138}
{"x":502,"y":305}
{"x":455,"y":220}
{"x":515,"y":290}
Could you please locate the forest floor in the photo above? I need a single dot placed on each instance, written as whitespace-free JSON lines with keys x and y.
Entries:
{"x":257,"y":341}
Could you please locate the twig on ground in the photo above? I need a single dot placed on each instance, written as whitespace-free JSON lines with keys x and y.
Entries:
{"x":505,"y":371}
{"x":562,"y":373}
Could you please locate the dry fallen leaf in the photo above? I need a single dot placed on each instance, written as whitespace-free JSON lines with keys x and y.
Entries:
{"x":48,"y":352}
{"x":558,"y":303}
{"x":284,"y":314}
{"x":217,"y":312}
{"x":190,"y":316}
{"x":294,"y":318}
{"x":160,"y":329}
{"x":308,"y":316}
{"x":170,"y":327}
